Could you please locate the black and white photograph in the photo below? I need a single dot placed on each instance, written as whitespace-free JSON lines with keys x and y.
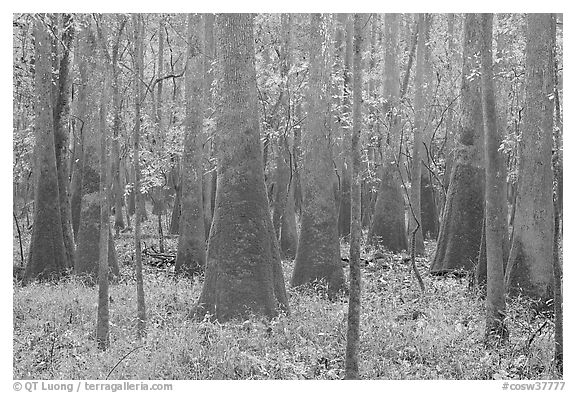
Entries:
{"x":286,"y":196}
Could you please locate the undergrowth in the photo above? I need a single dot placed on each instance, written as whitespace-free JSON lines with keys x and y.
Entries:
{"x":404,"y":335}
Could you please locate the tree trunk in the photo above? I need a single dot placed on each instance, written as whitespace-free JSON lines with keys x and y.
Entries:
{"x":47,"y":255}
{"x":243,"y":271}
{"x":353,"y":332}
{"x":118,"y":190}
{"x":461,"y":227}
{"x":428,"y":206}
{"x":61,"y":114}
{"x":209,"y":149}
{"x":288,"y":230}
{"x":388,"y":227}
{"x":449,"y":122}
{"x":102,"y":324}
{"x":495,"y":194}
{"x":191,"y":257}
{"x":297,"y":162}
{"x":417,"y":150}
{"x":88,"y":248}
{"x":284,"y":216}
{"x":318,"y":254}
{"x":344,"y":208}
{"x":139,"y":205}
{"x":94,"y":216}
{"x":529,"y":270}
{"x":558,"y":210}
{"x":76,"y":189}
{"x":176,"y":209}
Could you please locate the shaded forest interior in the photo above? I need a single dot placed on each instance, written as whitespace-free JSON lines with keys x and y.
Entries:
{"x":279,"y":196}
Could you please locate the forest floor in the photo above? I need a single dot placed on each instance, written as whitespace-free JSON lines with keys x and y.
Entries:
{"x":404,"y":335}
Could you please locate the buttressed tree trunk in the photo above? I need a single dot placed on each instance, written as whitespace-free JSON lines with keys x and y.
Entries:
{"x":388,"y":228}
{"x":61,"y":114}
{"x":461,"y":228}
{"x":191,"y":256}
{"x":318,"y":254}
{"x":88,"y":250}
{"x":529,"y":269}
{"x":243,"y":271}
{"x":47,"y":255}
{"x":495,"y":193}
{"x":417,"y":149}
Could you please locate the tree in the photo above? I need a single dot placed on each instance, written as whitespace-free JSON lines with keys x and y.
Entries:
{"x":449,"y":121}
{"x":118,"y":190}
{"x":61,"y":116}
{"x":318,"y":254}
{"x":102,"y":324}
{"x":283,"y":215}
{"x":346,"y":124}
{"x":80,"y":131}
{"x":388,"y":227}
{"x":353,"y":334}
{"x":461,"y":227}
{"x":88,"y":249}
{"x":209,"y":184}
{"x":495,"y":192}
{"x":47,"y":255}
{"x":94,"y":203}
{"x":243,"y":271}
{"x":418,"y":147}
{"x":191,"y":256}
{"x":529,"y":268}
{"x":558,"y":209}
{"x":139,"y":205}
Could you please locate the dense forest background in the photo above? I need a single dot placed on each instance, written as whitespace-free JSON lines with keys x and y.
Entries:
{"x":316,"y":196}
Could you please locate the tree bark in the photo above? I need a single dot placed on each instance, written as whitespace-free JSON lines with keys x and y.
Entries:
{"x":558,"y":221}
{"x":191,"y":256}
{"x":102,"y":324}
{"x":118,"y":190}
{"x":495,"y":193}
{"x":529,"y":269}
{"x":76,"y":189}
{"x":461,"y":227}
{"x":243,"y":271}
{"x":345,"y":175}
{"x":284,"y":216}
{"x":450,"y":135}
{"x":139,"y":205}
{"x":47,"y":255}
{"x":318,"y":254}
{"x":209,"y":148}
{"x":418,"y":147}
{"x":388,"y":227}
{"x":354,"y":302}
{"x":61,"y":114}
{"x":176,"y":208}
